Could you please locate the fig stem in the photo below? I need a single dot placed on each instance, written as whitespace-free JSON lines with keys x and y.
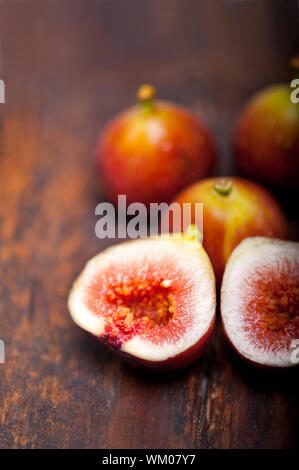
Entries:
{"x":193,"y":233}
{"x":146,"y":96}
{"x":223,"y":187}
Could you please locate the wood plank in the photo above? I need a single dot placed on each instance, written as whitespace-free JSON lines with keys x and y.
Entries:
{"x":68,"y":66}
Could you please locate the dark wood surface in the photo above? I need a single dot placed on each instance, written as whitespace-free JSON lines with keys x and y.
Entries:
{"x":68,"y":66}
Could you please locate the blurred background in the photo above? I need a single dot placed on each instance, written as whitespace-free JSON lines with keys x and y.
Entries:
{"x":87,"y":58}
{"x":69,"y":66}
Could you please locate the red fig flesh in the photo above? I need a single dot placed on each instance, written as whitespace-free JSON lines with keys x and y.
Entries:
{"x":152,"y":300}
{"x":260,"y":301}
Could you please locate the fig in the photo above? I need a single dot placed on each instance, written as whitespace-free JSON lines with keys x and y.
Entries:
{"x":151,"y":300}
{"x":233,"y":209}
{"x":260,"y":301}
{"x":153,"y":150}
{"x":266,"y":139}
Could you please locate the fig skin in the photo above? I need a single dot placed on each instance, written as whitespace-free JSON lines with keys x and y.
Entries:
{"x":153,"y":150}
{"x":247,"y":210}
{"x":266,"y":140}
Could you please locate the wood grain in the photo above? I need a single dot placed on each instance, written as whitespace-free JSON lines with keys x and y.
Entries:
{"x":68,"y":66}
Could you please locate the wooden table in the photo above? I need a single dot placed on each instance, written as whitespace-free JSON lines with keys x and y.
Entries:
{"x":68,"y":66}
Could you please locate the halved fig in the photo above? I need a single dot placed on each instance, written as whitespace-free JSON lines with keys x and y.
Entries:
{"x":153,"y":300}
{"x":260,"y":301}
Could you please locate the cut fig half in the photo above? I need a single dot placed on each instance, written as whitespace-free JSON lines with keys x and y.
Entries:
{"x":153,"y":300}
{"x":260,"y":301}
